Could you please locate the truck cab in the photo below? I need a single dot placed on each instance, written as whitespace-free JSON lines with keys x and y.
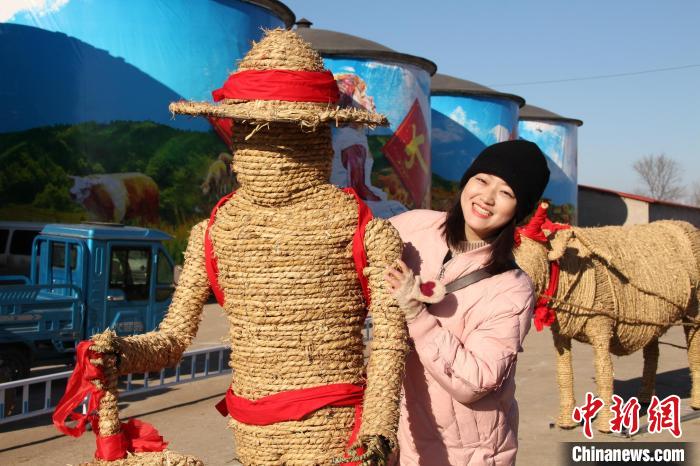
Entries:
{"x":84,"y":279}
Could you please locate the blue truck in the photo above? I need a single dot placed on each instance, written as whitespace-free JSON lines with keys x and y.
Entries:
{"x":84,"y":279}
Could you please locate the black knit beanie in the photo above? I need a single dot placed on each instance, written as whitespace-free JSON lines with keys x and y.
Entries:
{"x":519,"y":163}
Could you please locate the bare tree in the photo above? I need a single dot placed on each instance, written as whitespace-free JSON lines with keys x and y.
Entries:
{"x":694,"y":197}
{"x":661,"y":176}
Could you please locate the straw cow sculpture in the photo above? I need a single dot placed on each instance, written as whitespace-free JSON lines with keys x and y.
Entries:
{"x":619,"y":289}
{"x":281,"y":255}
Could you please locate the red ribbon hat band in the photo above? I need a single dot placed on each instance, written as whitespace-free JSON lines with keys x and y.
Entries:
{"x":287,"y":85}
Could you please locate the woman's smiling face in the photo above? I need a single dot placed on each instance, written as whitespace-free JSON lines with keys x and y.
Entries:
{"x":488,"y":204}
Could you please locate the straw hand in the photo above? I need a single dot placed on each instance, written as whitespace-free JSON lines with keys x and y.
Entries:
{"x":376,"y":452}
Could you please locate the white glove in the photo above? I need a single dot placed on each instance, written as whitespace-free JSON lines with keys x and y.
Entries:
{"x":410,"y":293}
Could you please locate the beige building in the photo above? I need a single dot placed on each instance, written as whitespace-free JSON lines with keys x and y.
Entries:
{"x":599,"y":207}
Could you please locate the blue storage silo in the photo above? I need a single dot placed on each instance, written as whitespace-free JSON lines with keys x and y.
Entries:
{"x":557,"y":136}
{"x":466,"y":118}
{"x":85,"y":131}
{"x":388,"y":167}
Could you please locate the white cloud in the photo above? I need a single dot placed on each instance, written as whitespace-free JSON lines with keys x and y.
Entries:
{"x":500,"y":133}
{"x":375,"y":64}
{"x":539,"y":127}
{"x":460,"y":116}
{"x":9,"y":8}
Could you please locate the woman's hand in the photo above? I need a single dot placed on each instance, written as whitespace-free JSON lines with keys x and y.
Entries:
{"x":405,"y":288}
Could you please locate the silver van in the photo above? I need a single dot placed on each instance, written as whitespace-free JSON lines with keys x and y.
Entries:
{"x":16,"y":240}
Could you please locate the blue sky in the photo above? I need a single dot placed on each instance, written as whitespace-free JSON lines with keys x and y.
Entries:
{"x":498,"y":43}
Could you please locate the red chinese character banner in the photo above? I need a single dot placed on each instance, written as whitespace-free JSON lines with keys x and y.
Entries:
{"x":390,"y":167}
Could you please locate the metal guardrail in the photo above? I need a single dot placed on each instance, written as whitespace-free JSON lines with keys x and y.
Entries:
{"x":194,"y":365}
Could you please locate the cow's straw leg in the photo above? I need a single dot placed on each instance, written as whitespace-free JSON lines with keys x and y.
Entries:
{"x":651,"y":361}
{"x":599,"y":332}
{"x":565,"y":380}
{"x":692,"y":336}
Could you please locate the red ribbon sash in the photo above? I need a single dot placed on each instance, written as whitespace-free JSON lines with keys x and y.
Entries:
{"x":290,"y":405}
{"x":287,"y":85}
{"x":211,"y":265}
{"x":294,"y":405}
{"x":364,"y":215}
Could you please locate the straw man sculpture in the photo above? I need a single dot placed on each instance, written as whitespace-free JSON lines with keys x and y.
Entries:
{"x":286,"y":255}
{"x":618,"y":289}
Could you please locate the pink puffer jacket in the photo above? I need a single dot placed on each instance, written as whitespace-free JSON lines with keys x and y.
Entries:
{"x":459,"y":403}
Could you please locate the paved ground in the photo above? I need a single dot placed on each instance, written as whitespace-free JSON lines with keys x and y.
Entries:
{"x":185,"y":414}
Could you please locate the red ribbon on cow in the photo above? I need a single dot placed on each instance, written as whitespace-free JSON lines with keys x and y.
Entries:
{"x":135,"y":435}
{"x":286,"y":85}
{"x":544,"y":315}
{"x":533,"y":229}
{"x":294,"y":405}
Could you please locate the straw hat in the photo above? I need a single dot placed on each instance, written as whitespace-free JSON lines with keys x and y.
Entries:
{"x":281,"y":79}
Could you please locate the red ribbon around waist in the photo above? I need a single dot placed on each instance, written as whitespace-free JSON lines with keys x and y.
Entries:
{"x":290,"y":405}
{"x":294,"y":405}
{"x":135,"y":435}
{"x":287,"y":85}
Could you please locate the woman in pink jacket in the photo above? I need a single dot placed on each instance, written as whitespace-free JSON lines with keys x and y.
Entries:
{"x":459,"y":403}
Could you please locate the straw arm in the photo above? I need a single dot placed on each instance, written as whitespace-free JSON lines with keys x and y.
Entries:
{"x":389,"y":344}
{"x":164,"y":347}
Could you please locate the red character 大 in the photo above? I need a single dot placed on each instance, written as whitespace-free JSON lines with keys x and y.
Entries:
{"x":626,"y":415}
{"x":665,"y":414}
{"x":587,"y":412}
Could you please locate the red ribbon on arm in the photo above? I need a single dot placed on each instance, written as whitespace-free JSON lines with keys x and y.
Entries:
{"x":287,"y":85}
{"x":79,"y":386}
{"x":135,"y":435}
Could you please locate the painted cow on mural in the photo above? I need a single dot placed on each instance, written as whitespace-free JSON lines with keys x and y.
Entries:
{"x":220,"y":178}
{"x":117,"y":197}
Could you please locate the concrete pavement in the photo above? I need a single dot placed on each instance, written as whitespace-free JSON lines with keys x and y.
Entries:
{"x":185,"y":415}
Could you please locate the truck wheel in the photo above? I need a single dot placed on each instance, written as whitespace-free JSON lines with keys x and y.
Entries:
{"x":14,"y":365}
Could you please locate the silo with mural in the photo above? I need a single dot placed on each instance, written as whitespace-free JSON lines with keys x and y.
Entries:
{"x":466,"y":118}
{"x":388,"y":167}
{"x":85,"y":131}
{"x":557,"y":136}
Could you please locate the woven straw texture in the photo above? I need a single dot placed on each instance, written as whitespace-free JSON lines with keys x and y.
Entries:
{"x":282,"y":50}
{"x":284,"y":251}
{"x":620,"y":289}
{"x":108,"y":412}
{"x":283,"y":245}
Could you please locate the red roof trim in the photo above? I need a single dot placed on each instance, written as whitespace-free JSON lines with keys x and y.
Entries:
{"x":637,"y":197}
